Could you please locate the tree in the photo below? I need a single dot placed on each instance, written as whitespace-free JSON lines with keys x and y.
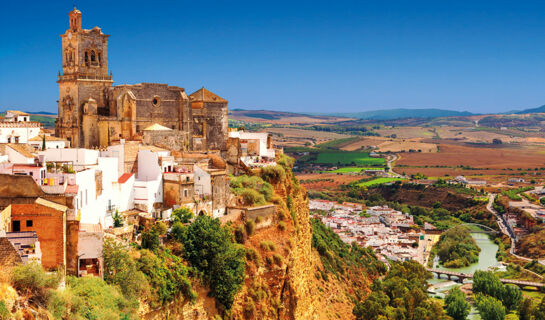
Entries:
{"x":511,"y":297}
{"x":118,"y":220}
{"x":150,"y":239}
{"x":457,"y":305}
{"x":539,"y":312}
{"x":43,"y":142}
{"x":490,"y":308}
{"x":210,"y":248}
{"x":120,"y":270}
{"x":183,"y":215}
{"x":488,"y":283}
{"x":526,"y":309}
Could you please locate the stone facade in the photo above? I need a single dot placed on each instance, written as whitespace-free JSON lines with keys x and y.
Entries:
{"x":93,"y":113}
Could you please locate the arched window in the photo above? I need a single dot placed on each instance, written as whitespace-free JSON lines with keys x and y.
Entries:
{"x":99,"y":56}
{"x":92,"y":56}
{"x":86,"y":57}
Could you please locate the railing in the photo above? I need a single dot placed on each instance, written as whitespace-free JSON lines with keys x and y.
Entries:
{"x":83,"y":76}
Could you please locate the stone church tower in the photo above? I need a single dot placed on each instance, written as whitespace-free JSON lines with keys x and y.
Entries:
{"x":83,"y":84}
{"x":95,"y":114}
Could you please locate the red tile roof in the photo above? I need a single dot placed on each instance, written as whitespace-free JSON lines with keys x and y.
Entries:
{"x":31,"y":209}
{"x":71,"y":188}
{"x":124,"y":177}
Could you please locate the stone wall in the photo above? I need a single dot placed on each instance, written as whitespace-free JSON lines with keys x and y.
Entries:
{"x":175,"y":140}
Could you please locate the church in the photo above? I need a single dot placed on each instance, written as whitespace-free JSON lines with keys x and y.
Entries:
{"x":93,"y":113}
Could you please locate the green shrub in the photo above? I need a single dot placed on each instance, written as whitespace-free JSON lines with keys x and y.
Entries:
{"x":250,"y":227}
{"x":281,"y":225}
{"x":121,"y":270}
{"x":267,"y":245}
{"x":258,"y":219}
{"x":4,"y":312}
{"x":183,"y":215}
{"x":252,"y":197}
{"x":89,"y":298}
{"x":118,"y":220}
{"x":211,"y":250}
{"x":285,"y":161}
{"x":178,"y":230}
{"x":167,"y":276}
{"x":273,"y":174}
{"x":253,"y":255}
{"x":278,"y":259}
{"x":32,"y":279}
{"x":240,"y":236}
{"x":150,"y":239}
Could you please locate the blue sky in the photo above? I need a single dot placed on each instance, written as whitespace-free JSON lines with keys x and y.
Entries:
{"x":304,"y":56}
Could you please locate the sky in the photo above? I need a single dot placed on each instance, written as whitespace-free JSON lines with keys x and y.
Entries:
{"x":301,"y":56}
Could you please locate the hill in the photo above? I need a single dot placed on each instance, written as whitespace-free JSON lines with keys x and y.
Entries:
{"x":279,"y":117}
{"x":390,"y":114}
{"x":532,"y":110}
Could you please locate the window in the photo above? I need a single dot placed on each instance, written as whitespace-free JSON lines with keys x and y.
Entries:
{"x":92,"y":56}
{"x":15,"y":226}
{"x":86,"y":57}
{"x":156,"y":101}
{"x":29,"y":223}
{"x":185,"y":193}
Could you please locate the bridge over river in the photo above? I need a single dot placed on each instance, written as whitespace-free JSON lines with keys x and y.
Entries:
{"x":460,"y":277}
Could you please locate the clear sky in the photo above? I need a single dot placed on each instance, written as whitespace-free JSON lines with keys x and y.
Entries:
{"x":305,"y":56}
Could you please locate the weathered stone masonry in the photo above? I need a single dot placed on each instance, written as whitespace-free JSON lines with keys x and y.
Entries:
{"x":94,"y":113}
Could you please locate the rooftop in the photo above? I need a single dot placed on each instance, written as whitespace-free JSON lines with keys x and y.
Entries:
{"x":205,"y":95}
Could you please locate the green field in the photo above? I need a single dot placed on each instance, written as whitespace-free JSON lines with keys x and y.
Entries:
{"x":347,"y":158}
{"x":377,"y":181}
{"x":351,"y":170}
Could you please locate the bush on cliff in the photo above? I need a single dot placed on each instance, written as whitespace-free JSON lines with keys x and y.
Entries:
{"x":89,"y":298}
{"x":212,"y":251}
{"x":338,"y":256}
{"x":32,"y":280}
{"x":273,"y":174}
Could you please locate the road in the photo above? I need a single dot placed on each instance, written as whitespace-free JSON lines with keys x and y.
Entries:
{"x":506,"y":229}
{"x":389,"y":160}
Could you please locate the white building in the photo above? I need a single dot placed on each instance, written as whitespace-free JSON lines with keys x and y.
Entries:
{"x":18,"y":132}
{"x":50,"y":142}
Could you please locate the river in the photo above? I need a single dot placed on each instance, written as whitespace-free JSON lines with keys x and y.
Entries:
{"x":487,"y":259}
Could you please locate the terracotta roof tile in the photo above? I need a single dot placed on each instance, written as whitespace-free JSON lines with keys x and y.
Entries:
{"x":22,"y":150}
{"x":9,"y":257}
{"x":124,"y":177}
{"x":206,"y":96}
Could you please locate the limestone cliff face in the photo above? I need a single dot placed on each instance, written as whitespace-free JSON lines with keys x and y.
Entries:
{"x":292,"y":290}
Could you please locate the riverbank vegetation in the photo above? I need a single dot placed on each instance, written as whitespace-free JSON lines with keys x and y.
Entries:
{"x":493,"y":298}
{"x":402,"y":294}
{"x":456,"y":248}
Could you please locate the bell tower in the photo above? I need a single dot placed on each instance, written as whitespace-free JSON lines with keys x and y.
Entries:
{"x":84,"y":79}
{"x":75,"y":20}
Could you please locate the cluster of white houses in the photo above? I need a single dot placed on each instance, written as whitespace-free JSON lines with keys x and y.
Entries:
{"x":389,"y":232}
{"x":58,"y":203}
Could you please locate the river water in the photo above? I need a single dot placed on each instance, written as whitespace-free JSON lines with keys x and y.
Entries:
{"x":487,"y":259}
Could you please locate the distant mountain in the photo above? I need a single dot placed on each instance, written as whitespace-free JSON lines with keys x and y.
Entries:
{"x":391,"y":114}
{"x":533,"y":110}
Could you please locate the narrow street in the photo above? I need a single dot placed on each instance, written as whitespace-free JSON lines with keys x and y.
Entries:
{"x":506,"y":229}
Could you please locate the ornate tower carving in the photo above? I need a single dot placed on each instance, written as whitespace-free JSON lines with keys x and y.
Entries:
{"x":84,"y":76}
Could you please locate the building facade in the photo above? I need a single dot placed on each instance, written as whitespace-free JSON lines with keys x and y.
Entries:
{"x":94,"y":113}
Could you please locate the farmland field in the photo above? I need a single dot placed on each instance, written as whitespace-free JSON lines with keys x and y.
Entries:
{"x":357,"y":158}
{"x":351,"y":170}
{"x":377,"y":181}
